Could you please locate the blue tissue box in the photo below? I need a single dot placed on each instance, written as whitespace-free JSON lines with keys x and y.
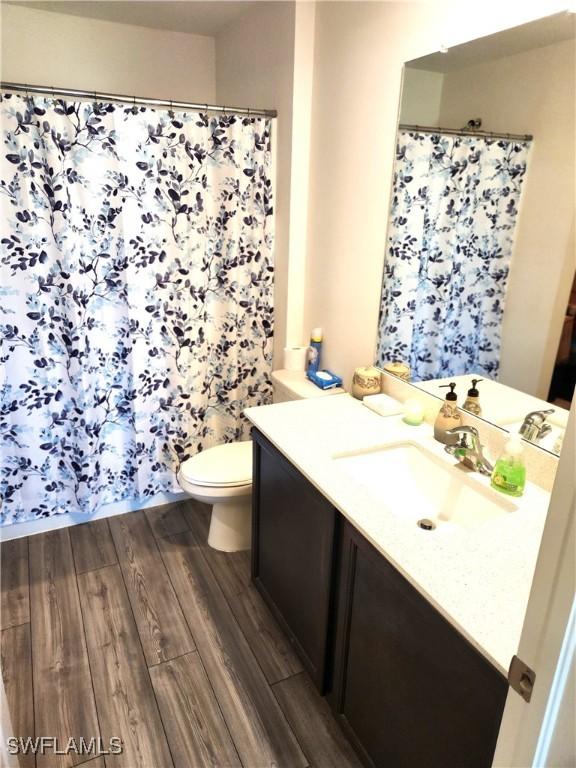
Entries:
{"x":324,"y":379}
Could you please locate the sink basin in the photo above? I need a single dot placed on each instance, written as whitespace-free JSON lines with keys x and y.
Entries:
{"x":413,"y":483}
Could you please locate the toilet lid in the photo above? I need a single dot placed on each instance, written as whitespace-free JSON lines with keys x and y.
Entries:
{"x":224,"y":465}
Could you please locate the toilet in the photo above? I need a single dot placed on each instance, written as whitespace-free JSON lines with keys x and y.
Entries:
{"x":222,"y":476}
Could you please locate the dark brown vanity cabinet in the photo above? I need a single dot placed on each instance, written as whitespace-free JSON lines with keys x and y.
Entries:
{"x":293,"y":545}
{"x":409,"y":690}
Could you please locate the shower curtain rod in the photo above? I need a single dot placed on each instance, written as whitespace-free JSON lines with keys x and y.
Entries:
{"x":135,"y":100}
{"x":466,"y":132}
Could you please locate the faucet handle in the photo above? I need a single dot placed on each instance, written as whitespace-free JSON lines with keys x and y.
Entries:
{"x":534,"y":425}
{"x":540,"y":415}
{"x":469,"y":449}
{"x":469,"y":436}
{"x":465,"y":429}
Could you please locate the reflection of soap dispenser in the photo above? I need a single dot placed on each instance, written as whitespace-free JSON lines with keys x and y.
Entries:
{"x":472,"y":404}
{"x":448,"y":417}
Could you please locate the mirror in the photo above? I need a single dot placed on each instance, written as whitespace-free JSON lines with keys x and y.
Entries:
{"x":479,"y":269}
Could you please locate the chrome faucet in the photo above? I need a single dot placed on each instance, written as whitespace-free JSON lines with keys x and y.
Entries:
{"x":468,"y":449}
{"x":535,"y":426}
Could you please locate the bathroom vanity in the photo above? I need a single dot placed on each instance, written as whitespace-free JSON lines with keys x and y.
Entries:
{"x":408,"y":632}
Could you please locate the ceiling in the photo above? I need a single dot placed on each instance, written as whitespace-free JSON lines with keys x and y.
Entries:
{"x":535,"y":34}
{"x":192,"y":16}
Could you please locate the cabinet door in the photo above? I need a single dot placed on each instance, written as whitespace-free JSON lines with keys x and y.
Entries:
{"x":410,"y":691}
{"x":292,"y":554}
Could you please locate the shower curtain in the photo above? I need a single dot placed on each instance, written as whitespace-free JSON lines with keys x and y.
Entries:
{"x":136,"y":312}
{"x":450,"y":236}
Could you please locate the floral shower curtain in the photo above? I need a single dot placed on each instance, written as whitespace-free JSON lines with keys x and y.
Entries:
{"x":136,"y":296}
{"x":454,"y":208}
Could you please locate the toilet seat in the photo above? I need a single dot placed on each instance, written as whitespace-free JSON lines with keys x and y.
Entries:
{"x":228,"y":465}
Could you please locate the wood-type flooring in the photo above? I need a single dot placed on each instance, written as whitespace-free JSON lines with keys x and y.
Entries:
{"x":132,"y":630}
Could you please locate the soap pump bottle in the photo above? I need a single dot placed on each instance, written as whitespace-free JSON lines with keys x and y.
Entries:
{"x":472,"y":403}
{"x":509,"y":473}
{"x":314,"y":350}
{"x":448,"y":417}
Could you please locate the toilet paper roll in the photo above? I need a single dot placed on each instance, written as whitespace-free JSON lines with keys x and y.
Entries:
{"x":295,"y":358}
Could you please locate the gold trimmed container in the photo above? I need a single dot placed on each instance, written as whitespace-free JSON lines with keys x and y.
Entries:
{"x":366,"y":381}
{"x":398,"y":368}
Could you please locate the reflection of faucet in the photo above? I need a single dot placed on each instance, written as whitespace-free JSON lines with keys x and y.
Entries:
{"x":468,"y":449}
{"x":535,"y":426}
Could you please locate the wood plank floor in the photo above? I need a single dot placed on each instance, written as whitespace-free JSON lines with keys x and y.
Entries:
{"x":124,"y":696}
{"x":63,"y":694}
{"x":162,"y":627}
{"x":17,"y":675}
{"x":15,"y":600}
{"x":134,"y":628}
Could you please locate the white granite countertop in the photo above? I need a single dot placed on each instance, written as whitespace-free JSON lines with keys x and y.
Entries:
{"x":478,"y":577}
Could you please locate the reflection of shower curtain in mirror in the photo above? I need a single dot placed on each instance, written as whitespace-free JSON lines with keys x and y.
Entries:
{"x":453,"y":213}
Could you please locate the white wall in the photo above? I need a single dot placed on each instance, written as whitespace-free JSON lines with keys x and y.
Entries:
{"x":531,"y":92}
{"x":360,"y":50}
{"x":45,"y":48}
{"x":255,"y":66}
{"x":421,"y":97}
{"x":296,"y":333}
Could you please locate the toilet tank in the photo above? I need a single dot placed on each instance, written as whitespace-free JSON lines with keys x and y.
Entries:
{"x":293,"y":385}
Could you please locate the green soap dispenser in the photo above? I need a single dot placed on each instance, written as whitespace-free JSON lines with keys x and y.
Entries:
{"x":509,"y":473}
{"x":472,"y":402}
{"x":448,"y":417}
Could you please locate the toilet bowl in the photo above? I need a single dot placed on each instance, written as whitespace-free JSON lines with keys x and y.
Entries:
{"x":222,"y":475}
